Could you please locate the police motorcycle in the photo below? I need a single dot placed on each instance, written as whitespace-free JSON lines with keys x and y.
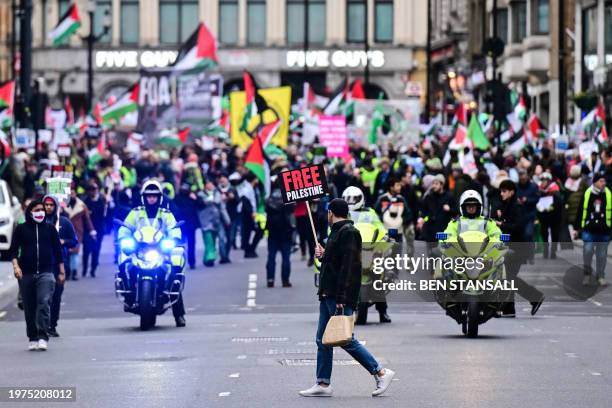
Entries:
{"x":377,"y":242}
{"x":471,"y":237}
{"x":150,"y":277}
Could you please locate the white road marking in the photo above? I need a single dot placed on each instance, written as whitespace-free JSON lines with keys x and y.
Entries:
{"x":571,"y":355}
{"x":234,"y":375}
{"x":225,"y":394}
{"x":595,"y":373}
{"x":252,"y":292}
{"x":254,"y":330}
{"x":2,"y":314}
{"x":241,"y":357}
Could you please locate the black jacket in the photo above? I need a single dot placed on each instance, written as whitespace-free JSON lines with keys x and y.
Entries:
{"x":279,"y":221}
{"x":36,"y":246}
{"x":341,"y":264}
{"x":437,"y":219}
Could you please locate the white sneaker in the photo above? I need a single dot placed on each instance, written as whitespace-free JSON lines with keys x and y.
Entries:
{"x":42,"y":345}
{"x":317,"y":390}
{"x":586,"y":280}
{"x":383,"y":382}
{"x":602,"y":282}
{"x":33,"y":346}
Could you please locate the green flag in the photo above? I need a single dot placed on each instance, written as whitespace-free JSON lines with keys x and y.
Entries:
{"x":378,"y":119}
{"x":476,"y":135}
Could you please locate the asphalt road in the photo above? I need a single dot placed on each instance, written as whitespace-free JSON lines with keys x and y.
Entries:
{"x":249,"y":346}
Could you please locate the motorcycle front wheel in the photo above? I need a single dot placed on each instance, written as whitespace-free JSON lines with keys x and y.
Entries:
{"x":148,"y":314}
{"x":470,"y":326}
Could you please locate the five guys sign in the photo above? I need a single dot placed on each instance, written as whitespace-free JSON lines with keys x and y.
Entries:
{"x":304,"y":184}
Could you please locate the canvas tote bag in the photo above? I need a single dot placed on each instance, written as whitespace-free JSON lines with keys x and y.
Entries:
{"x":339,"y":330}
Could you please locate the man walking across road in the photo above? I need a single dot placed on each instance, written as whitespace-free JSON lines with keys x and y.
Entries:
{"x":69,"y":240}
{"x":338,"y":292}
{"x":35,"y":252}
{"x":594,"y":220}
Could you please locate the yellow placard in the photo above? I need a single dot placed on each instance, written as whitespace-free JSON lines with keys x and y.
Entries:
{"x":279,"y":107}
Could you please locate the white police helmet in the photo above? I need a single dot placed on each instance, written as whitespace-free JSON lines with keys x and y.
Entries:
{"x":354,"y":198}
{"x":470,"y":197}
{"x":151,"y":187}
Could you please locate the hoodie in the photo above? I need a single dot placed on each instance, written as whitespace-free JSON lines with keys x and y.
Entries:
{"x":36,"y":247}
{"x":64,"y":228}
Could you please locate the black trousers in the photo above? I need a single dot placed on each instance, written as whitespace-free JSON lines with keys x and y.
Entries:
{"x":550,"y":227}
{"x":305,"y":234}
{"x":190,"y":237}
{"x":36,"y":291}
{"x":251,"y":235}
{"x":91,"y":247}
{"x":525,"y":290}
{"x":56,"y":301}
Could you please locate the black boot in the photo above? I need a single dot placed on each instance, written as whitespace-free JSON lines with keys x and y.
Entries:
{"x":180,"y":321}
{"x":384,"y":318}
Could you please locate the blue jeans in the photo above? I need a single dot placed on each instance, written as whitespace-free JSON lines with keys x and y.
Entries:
{"x":595,"y":244}
{"x":325,"y":354}
{"x":284,"y":246}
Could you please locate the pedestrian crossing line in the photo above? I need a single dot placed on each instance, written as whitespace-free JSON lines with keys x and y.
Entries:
{"x":225,"y":394}
{"x":594,"y":302}
{"x":2,"y":314}
{"x":234,"y":375}
{"x":252,"y":291}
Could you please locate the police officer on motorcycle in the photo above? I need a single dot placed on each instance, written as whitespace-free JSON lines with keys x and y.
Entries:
{"x":153,"y":210}
{"x":372,"y":230}
{"x":471,"y":218}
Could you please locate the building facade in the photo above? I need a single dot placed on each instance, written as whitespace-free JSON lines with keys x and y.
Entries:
{"x":593,"y":62}
{"x":5,"y":40}
{"x":267,"y":37}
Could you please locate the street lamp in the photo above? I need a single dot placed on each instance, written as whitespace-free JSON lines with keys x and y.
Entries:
{"x":91,"y":39}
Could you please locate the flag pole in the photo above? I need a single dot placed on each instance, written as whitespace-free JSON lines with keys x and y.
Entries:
{"x":314,"y":232}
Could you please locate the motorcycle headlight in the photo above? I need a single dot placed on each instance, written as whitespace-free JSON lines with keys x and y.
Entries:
{"x":167,"y":245}
{"x":152,"y":256}
{"x":127,"y":245}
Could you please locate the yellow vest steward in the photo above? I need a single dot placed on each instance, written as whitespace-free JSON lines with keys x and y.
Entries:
{"x":585,"y":206}
{"x":138,"y":216}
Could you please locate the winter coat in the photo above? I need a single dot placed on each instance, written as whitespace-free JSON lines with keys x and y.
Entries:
{"x":78,"y":213}
{"x":36,"y":246}
{"x":436,"y":218}
{"x":341,"y":265}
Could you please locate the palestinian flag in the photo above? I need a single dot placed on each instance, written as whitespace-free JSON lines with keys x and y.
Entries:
{"x":535,"y":126}
{"x":517,"y":117}
{"x":476,"y":135}
{"x":69,"y":112}
{"x":7,"y":99}
{"x":311,"y":101}
{"x":255,"y":103}
{"x":128,"y":102}
{"x":97,"y":153}
{"x":356,"y":93}
{"x":460,"y":117}
{"x":269,"y":131}
{"x":199,"y":52}
{"x":460,"y":141}
{"x":255,"y":161}
{"x":7,"y":94}
{"x":67,"y":25}
{"x":170,"y":138}
{"x":337,"y":99}
{"x":601,"y":132}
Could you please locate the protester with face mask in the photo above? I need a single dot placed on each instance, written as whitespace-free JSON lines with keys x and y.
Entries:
{"x":68,"y":239}
{"x":36,"y":252}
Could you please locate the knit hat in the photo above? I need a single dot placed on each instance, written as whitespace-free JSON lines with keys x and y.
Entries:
{"x":339,"y":207}
{"x":440,"y":178}
{"x":575,"y":171}
{"x":597,"y":177}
